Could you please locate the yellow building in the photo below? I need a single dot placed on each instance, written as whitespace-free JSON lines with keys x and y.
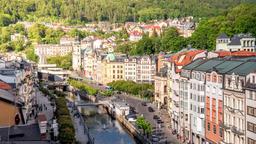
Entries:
{"x":112,"y":69}
{"x":10,"y":111}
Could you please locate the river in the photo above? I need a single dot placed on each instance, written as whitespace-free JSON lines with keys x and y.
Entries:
{"x":104,"y":129}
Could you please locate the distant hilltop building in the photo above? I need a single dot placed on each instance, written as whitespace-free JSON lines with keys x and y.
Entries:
{"x":239,"y":42}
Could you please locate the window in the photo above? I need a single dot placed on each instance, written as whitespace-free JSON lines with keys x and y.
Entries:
{"x":250,"y":126}
{"x":251,"y":141}
{"x":214,"y":129}
{"x":220,"y":132}
{"x":202,"y":110}
{"x":209,"y":126}
{"x":250,"y":111}
{"x":113,"y":71}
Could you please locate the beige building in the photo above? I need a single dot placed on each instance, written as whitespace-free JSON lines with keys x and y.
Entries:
{"x":161,"y":91}
{"x":235,"y":103}
{"x":112,"y":69}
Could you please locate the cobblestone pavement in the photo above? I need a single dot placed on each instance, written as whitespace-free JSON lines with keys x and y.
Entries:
{"x":45,"y":105}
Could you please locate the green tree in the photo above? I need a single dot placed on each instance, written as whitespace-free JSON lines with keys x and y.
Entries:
{"x":37,"y":32}
{"x":5,"y":20}
{"x":144,"y":125}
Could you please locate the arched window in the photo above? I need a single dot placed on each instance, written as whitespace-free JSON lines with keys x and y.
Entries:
{"x":214,"y":78}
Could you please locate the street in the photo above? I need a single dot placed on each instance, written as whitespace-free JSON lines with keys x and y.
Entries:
{"x":143,"y":110}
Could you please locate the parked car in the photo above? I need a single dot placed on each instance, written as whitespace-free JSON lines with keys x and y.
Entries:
{"x":144,"y":103}
{"x":150,"y":109}
{"x":132,"y":119}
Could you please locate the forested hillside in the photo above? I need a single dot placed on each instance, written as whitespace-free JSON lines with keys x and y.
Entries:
{"x":240,"y":19}
{"x":77,"y":11}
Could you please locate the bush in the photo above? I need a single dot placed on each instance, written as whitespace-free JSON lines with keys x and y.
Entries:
{"x":66,"y":127}
{"x":83,"y":86}
{"x":144,"y":90}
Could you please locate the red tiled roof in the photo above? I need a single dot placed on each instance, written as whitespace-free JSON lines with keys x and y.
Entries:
{"x":243,"y":53}
{"x":5,"y":86}
{"x":223,"y":53}
{"x":188,"y":57}
{"x":136,"y":33}
{"x":237,"y":53}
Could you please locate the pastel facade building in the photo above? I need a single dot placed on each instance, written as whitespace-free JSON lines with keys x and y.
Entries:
{"x":146,"y":69}
{"x":234,"y":103}
{"x":250,"y":92}
{"x":180,"y":118}
{"x":161,"y":89}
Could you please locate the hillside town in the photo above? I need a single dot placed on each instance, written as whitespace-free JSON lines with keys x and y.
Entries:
{"x":207,"y":94}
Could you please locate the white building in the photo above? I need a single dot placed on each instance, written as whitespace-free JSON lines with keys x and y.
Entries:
{"x":250,"y":91}
{"x":146,"y":69}
{"x":130,"y":68}
{"x":77,"y":58}
{"x":47,"y":50}
{"x":239,"y":42}
{"x":235,"y":103}
{"x":66,"y":40}
{"x":178,"y":90}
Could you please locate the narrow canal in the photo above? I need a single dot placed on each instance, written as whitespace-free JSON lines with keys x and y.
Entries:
{"x":104,"y":129}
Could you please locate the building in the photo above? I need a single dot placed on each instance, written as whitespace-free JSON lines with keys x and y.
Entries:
{"x":66,"y":40}
{"x":47,"y":50}
{"x":113,"y":68}
{"x":90,"y":59}
{"x":161,"y":91}
{"x":11,"y":109}
{"x":131,"y":68}
{"x":234,"y":103}
{"x":146,"y":69}
{"x":250,"y":92}
{"x":135,"y":35}
{"x":239,"y":42}
{"x":175,"y":65}
{"x":77,"y":58}
{"x":214,"y":100}
{"x":12,"y":76}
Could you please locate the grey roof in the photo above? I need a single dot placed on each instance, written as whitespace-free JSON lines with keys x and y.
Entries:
{"x":226,"y":66}
{"x":6,"y":95}
{"x":21,"y":133}
{"x":235,"y":41}
{"x":222,"y":36}
{"x":244,"y":69}
{"x":194,"y":64}
{"x":208,"y":65}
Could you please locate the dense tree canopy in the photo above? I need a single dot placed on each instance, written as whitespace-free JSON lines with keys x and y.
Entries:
{"x":76,"y":11}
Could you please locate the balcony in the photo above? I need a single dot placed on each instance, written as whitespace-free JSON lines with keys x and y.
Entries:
{"x":233,"y":110}
{"x":249,"y":85}
{"x":235,"y":130}
{"x":225,"y":126}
